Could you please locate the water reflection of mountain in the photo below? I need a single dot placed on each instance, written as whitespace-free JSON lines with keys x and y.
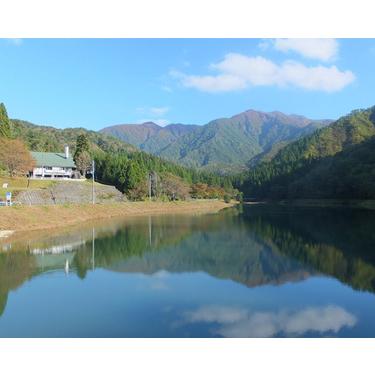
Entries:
{"x":262,"y":245}
{"x":259,"y":245}
{"x":337,"y":242}
{"x":89,"y":246}
{"x":233,"y":254}
{"x":15,"y":269}
{"x":220,"y":245}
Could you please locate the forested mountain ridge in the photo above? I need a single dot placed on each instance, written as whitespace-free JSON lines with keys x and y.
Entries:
{"x":149,"y":136}
{"x":337,"y":161}
{"x":223,"y":145}
{"x":50,"y":139}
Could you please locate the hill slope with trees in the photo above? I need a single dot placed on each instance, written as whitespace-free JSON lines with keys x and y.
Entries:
{"x":334,"y":162}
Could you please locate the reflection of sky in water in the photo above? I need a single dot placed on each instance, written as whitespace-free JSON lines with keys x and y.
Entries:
{"x":216,"y":275}
{"x":318,"y":307}
{"x":240,"y":322}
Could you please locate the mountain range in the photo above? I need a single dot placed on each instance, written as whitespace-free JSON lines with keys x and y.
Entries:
{"x":223,"y":145}
{"x":278,"y":156}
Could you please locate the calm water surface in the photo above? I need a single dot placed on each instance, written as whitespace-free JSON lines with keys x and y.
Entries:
{"x":256,"y":271}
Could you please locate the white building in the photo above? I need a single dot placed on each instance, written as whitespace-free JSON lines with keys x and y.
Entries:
{"x":53,"y":164}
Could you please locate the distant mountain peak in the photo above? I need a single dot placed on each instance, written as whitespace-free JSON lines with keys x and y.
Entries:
{"x":150,"y":124}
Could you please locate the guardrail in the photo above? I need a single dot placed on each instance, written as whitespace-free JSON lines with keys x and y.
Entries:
{"x":6,"y":204}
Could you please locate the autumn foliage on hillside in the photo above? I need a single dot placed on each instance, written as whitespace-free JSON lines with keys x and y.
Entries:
{"x":15,"y":158}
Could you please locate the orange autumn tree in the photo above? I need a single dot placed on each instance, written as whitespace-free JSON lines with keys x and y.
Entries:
{"x":15,"y":157}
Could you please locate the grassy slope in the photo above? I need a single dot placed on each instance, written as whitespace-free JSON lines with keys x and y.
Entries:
{"x":44,"y":217}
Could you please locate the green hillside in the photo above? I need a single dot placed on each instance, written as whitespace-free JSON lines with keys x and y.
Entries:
{"x":223,"y":145}
{"x":335,"y":162}
{"x":50,"y":139}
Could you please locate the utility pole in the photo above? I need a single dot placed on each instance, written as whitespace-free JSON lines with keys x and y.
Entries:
{"x":150,"y":230}
{"x":93,"y":181}
{"x":93,"y":249}
{"x":149,"y":185}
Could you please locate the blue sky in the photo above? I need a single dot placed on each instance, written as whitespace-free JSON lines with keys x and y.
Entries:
{"x":100,"y":82}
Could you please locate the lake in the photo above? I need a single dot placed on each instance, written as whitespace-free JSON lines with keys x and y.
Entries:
{"x":247,"y":271}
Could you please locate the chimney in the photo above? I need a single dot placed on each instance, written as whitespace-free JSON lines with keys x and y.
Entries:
{"x":66,"y":151}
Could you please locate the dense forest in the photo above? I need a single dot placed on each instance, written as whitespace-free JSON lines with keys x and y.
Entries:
{"x":337,"y":161}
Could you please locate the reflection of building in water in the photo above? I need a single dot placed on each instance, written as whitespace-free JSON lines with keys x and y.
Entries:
{"x":55,"y":257}
{"x":6,"y":247}
{"x":31,"y":258}
{"x":53,"y":262}
{"x":58,"y":249}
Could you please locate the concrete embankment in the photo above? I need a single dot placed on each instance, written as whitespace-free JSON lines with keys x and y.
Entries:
{"x":61,"y":192}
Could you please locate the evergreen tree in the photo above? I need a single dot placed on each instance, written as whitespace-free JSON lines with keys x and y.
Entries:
{"x":82,"y":145}
{"x":5,"y":126}
{"x":83,"y":162}
{"x":134,"y":175}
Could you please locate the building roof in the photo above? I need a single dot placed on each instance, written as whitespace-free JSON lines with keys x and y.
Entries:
{"x":52,"y":159}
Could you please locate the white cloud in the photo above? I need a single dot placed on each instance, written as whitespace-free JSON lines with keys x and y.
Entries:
{"x":239,"y":322}
{"x":166,"y":88}
{"x":320,"y":49}
{"x":159,"y":111}
{"x":153,"y":114}
{"x":223,"y":82}
{"x":264,"y":44}
{"x":237,"y":72}
{"x":15,"y":41}
{"x":153,"y":111}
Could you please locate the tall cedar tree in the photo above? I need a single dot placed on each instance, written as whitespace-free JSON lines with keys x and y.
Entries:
{"x":82,"y":145}
{"x":83,"y":162}
{"x":5,"y":127}
{"x":82,"y":156}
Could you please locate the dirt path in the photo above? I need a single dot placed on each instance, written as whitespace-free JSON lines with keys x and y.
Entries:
{"x":23,"y":218}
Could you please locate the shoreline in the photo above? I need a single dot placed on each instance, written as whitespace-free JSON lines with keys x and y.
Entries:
{"x":27,"y":218}
{"x":368,"y":204}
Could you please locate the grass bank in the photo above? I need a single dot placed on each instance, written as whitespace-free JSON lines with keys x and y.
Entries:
{"x":24,"y":218}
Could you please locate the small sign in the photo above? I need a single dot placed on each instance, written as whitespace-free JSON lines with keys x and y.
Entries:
{"x":5,"y":185}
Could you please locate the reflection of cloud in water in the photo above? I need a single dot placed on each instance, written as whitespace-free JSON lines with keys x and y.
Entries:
{"x":239,"y":322}
{"x":156,"y":281}
{"x":159,"y":280}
